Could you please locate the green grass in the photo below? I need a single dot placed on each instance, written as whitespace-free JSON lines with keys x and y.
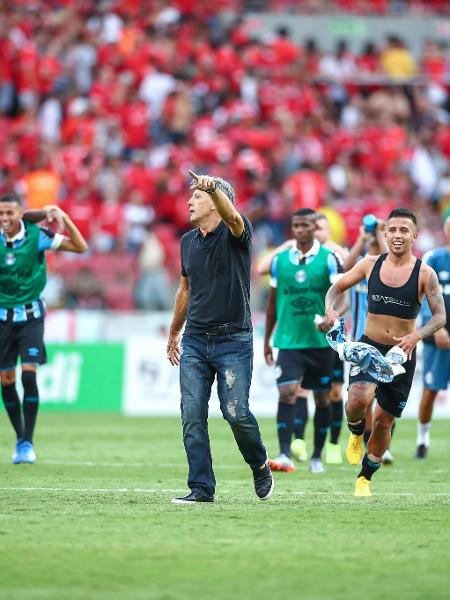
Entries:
{"x":93,"y":520}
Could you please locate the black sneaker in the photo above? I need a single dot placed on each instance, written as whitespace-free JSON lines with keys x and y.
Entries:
{"x":191,"y":498}
{"x":264,"y":482}
{"x":421,"y":451}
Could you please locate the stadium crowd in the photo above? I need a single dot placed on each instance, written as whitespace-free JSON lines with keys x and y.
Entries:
{"x":105,"y":106}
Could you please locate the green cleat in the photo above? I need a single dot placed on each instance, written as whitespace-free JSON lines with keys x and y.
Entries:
{"x":333,"y":454}
{"x":298,"y":450}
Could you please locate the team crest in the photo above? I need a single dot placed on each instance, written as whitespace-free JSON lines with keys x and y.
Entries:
{"x":10,"y":259}
{"x":300,"y":276}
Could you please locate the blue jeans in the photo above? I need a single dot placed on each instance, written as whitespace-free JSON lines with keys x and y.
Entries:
{"x":230,"y":356}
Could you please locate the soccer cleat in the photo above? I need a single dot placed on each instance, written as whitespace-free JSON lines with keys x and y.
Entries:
{"x":27,"y":453}
{"x":333,"y":454}
{"x":355,"y":451}
{"x":362,"y":487}
{"x":17,"y":456}
{"x":388,"y":458}
{"x":421,"y":451}
{"x":282,"y":463}
{"x":316,"y":466}
{"x":192,"y":498}
{"x":298,"y":450}
{"x":264,"y":482}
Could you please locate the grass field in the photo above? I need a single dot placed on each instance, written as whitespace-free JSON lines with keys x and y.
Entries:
{"x":93,"y":520}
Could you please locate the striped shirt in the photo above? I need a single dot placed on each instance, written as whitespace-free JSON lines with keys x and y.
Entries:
{"x":36,"y":309}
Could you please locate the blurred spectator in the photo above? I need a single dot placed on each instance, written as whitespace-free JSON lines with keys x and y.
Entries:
{"x":396,"y":60}
{"x":137,"y":217}
{"x":83,"y":290}
{"x":153,"y":289}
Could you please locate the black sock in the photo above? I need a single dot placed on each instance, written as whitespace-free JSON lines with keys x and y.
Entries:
{"x":337,"y":412}
{"x":358,"y":427}
{"x":367,"y":436}
{"x":30,"y":403}
{"x":301,"y":417}
{"x":368,"y":467}
{"x":321,"y":426}
{"x":13,"y":408}
{"x":285,"y":426}
{"x":393,"y":429}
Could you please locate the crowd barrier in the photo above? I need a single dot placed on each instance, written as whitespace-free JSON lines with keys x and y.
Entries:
{"x":112,"y":362}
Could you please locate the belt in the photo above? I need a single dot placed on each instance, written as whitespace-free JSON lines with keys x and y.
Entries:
{"x":224,"y":329}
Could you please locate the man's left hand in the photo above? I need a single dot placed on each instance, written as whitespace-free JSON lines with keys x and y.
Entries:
{"x":407,"y":343}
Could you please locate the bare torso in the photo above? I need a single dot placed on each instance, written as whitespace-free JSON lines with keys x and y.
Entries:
{"x":383,"y":328}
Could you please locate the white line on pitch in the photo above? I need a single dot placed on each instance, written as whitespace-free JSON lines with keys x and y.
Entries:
{"x":107,"y":490}
{"x":178,"y":490}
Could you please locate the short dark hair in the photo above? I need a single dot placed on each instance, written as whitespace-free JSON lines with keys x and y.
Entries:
{"x":304,"y":212}
{"x":406,"y":213}
{"x":11,"y":197}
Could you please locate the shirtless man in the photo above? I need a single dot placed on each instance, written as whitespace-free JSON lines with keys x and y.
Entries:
{"x":397,"y":283}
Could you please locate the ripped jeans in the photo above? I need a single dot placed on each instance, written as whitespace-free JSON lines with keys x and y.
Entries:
{"x":230,"y":356}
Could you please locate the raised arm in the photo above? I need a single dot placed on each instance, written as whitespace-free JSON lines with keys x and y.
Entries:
{"x":75,"y":242}
{"x":356,"y":250}
{"x":263,"y":266}
{"x":224,"y":206}
{"x":178,"y":319}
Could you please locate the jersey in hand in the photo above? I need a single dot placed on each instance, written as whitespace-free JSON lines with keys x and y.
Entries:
{"x":300,"y":295}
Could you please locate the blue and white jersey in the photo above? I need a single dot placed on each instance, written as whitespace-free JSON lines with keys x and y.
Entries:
{"x":47,"y":240}
{"x":439,"y":260}
{"x":358,"y":297}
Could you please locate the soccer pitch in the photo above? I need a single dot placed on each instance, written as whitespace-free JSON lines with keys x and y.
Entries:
{"x":93,"y":520}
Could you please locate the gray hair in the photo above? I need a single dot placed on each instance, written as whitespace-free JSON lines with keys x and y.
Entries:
{"x":226,"y":188}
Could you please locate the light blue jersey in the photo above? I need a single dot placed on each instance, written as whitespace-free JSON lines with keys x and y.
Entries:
{"x":358,"y":308}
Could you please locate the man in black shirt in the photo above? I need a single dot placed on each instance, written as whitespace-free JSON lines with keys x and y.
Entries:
{"x":214,"y":299}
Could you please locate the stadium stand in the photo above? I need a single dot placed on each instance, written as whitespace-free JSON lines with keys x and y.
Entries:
{"x":106,"y":105}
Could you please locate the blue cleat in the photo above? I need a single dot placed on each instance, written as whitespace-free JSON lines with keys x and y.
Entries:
{"x":27,"y":453}
{"x":17,"y":455}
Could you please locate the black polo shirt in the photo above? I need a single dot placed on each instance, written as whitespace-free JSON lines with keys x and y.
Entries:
{"x":218,"y":269}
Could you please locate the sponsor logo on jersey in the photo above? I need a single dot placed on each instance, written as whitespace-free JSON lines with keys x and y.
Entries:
{"x":390,"y":300}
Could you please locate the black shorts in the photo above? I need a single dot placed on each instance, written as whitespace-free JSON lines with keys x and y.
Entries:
{"x":312,"y":367}
{"x":392,"y":397}
{"x":338,"y":369}
{"x":25,"y":339}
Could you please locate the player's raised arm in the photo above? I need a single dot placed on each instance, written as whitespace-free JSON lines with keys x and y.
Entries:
{"x":75,"y":242}
{"x":222,"y":202}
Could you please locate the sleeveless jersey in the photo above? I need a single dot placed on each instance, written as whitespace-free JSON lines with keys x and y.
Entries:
{"x":23,"y":270}
{"x":300,"y":295}
{"x":401,"y":302}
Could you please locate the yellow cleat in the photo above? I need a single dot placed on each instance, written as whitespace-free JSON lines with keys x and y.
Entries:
{"x":354,"y":452}
{"x":333,"y":454}
{"x":298,"y":449}
{"x":362,"y":487}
